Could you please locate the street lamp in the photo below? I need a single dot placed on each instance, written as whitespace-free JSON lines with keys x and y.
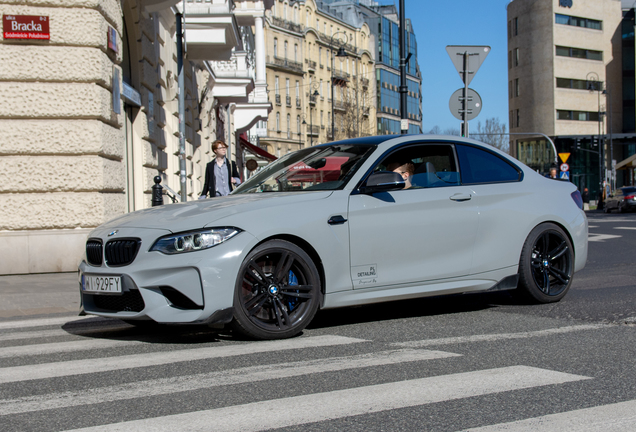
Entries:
{"x":341,"y":55}
{"x":596,"y":86}
{"x":313,"y":95}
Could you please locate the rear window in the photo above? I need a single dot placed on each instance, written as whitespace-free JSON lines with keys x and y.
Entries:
{"x":481,"y":166}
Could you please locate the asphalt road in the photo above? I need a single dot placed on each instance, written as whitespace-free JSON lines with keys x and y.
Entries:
{"x":472,"y":362}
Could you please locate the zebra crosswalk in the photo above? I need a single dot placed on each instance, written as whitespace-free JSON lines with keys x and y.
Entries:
{"x":59,"y":380}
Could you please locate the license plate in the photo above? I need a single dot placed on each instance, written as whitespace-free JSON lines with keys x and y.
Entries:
{"x":101,"y":284}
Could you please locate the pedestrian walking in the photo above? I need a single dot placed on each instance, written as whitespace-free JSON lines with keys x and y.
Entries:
{"x":586,"y":199}
{"x":221,"y":175}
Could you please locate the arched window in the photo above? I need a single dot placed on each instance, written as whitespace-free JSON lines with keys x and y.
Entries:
{"x":285,"y":50}
{"x":275,"y":47}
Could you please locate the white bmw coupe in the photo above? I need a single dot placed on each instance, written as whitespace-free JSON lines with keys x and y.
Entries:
{"x":347,"y":223}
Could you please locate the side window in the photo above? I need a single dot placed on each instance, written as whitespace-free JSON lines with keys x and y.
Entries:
{"x":423,"y":165}
{"x":481,"y":166}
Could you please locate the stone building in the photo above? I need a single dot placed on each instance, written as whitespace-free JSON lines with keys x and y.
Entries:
{"x":302,"y":42}
{"x":89,"y":112}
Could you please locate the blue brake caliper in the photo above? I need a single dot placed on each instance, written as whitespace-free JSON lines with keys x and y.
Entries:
{"x":293,"y":301}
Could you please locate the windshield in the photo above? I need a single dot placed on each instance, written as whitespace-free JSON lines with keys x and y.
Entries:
{"x":314,"y":168}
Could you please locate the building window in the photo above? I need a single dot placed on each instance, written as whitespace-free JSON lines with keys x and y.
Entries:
{"x":288,"y":126}
{"x":321,"y":88}
{"x":578,"y":22}
{"x":285,"y":47}
{"x":515,"y":26}
{"x":515,"y":58}
{"x":286,"y":86}
{"x":517,"y":119}
{"x":579,"y":84}
{"x":277,"y":122}
{"x":516,"y":87}
{"x":296,"y":53}
{"x":579,"y":53}
{"x":298,"y":125}
{"x":509,"y":59}
{"x":320,"y":56}
{"x":578,"y":115}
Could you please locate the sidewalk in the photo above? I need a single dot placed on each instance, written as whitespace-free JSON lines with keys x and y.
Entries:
{"x":39,"y":294}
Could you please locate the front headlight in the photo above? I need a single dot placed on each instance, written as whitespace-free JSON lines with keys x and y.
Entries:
{"x":193,"y":240}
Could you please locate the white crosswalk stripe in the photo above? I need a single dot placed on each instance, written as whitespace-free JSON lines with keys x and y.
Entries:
{"x":344,"y":403}
{"x":215,"y":379}
{"x":17,"y":324}
{"x":619,"y":417}
{"x":79,"y":367}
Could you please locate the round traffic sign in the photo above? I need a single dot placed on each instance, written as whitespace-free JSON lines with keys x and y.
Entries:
{"x":565,"y":167}
{"x":473,"y":104}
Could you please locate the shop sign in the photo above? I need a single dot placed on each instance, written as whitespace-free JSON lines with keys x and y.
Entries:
{"x":25,"y":27}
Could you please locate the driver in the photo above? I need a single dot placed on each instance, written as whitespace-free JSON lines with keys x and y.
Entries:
{"x":406,"y":170}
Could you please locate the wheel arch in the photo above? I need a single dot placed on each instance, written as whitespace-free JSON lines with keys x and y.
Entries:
{"x":309,"y":250}
{"x":565,"y":230}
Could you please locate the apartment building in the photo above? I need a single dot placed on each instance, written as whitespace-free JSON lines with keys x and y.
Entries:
{"x":566,"y":63}
{"x":302,"y":44}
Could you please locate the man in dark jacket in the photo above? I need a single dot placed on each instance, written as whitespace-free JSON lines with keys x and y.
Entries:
{"x":221,"y":174}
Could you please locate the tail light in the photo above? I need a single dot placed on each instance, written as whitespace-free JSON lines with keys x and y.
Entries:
{"x":630,"y":197}
{"x":576,"y":196}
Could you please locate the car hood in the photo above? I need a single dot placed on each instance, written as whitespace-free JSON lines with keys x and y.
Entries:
{"x":202,"y":213}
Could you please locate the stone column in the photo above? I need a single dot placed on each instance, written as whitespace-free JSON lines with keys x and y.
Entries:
{"x":260,"y":51}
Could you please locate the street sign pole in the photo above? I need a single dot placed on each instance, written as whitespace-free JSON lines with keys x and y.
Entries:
{"x":465,"y":98}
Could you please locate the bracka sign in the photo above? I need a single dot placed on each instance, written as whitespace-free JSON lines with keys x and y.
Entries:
{"x":25,"y":27}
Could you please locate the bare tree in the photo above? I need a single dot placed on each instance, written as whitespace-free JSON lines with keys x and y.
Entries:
{"x":435,"y":130}
{"x":355,"y":104}
{"x":493,"y":132}
{"x":451,"y":131}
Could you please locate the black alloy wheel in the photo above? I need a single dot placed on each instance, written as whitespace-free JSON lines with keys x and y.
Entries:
{"x":277,"y":291}
{"x":546,"y":265}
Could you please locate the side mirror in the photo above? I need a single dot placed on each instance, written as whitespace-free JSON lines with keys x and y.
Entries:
{"x":383,"y":181}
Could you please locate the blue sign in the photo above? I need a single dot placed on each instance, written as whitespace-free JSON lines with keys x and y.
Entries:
{"x":565,"y":175}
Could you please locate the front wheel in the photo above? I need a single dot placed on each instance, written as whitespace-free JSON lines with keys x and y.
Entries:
{"x":277,"y":291}
{"x":546,"y":265}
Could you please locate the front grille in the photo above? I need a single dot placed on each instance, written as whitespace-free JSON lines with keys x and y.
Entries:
{"x":129,"y":301}
{"x":121,"y":252}
{"x":94,"y":252}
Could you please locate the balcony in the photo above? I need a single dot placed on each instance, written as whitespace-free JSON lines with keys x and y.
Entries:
{"x":288,"y":100}
{"x":330,"y":133}
{"x":311,"y":66}
{"x":365,"y":111}
{"x":288,"y":25}
{"x":339,"y":106}
{"x":285,"y":64}
{"x":211,"y":29}
{"x":364,"y":82}
{"x":340,"y":78}
{"x":312,"y":100}
{"x":232,"y":82}
{"x":297,"y":102}
{"x":313,"y":130}
{"x":277,"y":99}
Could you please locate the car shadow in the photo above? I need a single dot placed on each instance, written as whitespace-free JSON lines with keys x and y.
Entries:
{"x":413,"y":308}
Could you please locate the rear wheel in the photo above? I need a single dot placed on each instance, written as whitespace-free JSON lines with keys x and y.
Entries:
{"x":546,"y":265}
{"x":606,"y":209}
{"x":277,"y":291}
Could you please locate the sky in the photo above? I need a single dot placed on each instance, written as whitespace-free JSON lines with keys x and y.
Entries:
{"x":438,"y":23}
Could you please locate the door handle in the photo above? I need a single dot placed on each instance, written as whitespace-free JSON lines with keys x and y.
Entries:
{"x":461,"y":197}
{"x":336,"y":220}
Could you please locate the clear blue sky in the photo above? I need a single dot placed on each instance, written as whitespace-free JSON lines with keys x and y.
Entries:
{"x":460,"y":22}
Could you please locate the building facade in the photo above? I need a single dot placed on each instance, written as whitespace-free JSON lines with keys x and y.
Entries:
{"x":567,"y":81}
{"x":383,"y":20}
{"x":302,"y":41}
{"x":90,"y":112}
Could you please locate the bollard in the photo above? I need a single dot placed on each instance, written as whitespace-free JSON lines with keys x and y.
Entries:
{"x":157,"y":192}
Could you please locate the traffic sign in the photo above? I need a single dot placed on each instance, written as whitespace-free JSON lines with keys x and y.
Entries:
{"x":564,"y":157}
{"x":565,"y":175}
{"x":476,"y":56}
{"x":565,"y":167}
{"x":473,"y":104}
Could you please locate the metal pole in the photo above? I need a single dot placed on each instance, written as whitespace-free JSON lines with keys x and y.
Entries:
{"x":403,"y":87}
{"x":465,"y":98}
{"x":181,"y":84}
{"x":609,"y":124}
{"x":311,"y":122}
{"x":333,"y":111}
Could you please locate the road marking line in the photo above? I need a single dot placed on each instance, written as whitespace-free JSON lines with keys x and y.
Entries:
{"x":105,"y":364}
{"x":214,"y":379}
{"x":592,"y":226}
{"x":625,"y":228}
{"x":618,"y":417}
{"x":610,"y":220}
{"x":62,"y":347}
{"x":601,"y":237}
{"x":337,"y":404}
{"x":499,"y":336}
{"x":18,"y":324}
{"x":115,"y":326}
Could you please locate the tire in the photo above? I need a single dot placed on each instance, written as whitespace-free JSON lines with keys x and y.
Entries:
{"x":620,"y":208}
{"x":277,"y":291}
{"x":606,"y":209}
{"x":546,"y":265}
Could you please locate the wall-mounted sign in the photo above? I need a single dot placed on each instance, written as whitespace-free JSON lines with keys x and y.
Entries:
{"x":25,"y":27}
{"x":131,"y":96}
{"x":565,"y":3}
{"x":116,"y":91}
{"x":112,"y":39}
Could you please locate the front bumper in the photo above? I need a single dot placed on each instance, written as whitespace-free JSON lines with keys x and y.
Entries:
{"x":193,"y":287}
